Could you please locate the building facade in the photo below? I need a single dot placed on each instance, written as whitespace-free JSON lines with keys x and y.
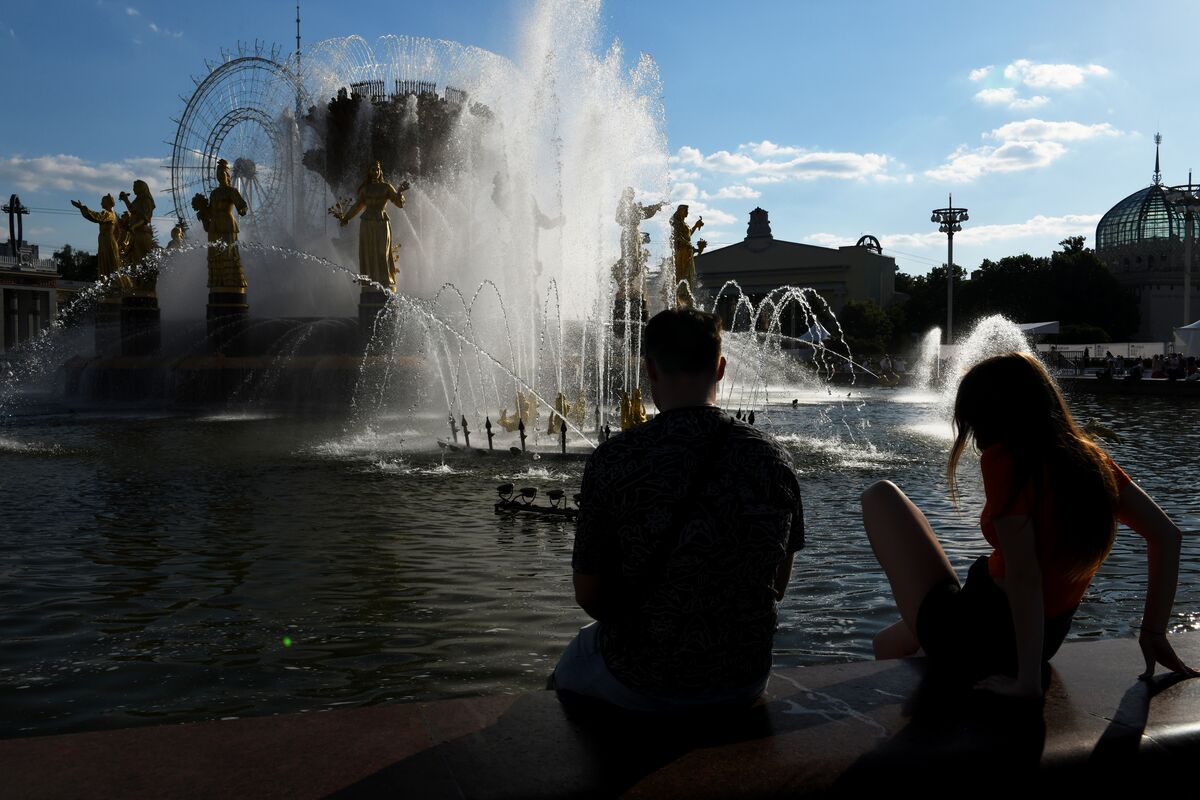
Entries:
{"x":28,"y":293}
{"x":761,"y":263}
{"x":1141,"y":241}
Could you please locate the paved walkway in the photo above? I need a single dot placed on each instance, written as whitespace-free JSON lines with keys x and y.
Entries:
{"x":835,"y":729}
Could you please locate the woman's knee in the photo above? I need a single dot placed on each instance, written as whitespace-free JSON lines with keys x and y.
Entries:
{"x":880,"y":492}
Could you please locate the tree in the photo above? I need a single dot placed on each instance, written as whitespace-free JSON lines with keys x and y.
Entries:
{"x":1070,"y":285}
{"x":866,"y":327}
{"x":75,"y":265}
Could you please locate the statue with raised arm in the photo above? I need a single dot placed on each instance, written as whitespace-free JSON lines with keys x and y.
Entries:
{"x":215,"y":213}
{"x":630,"y":271}
{"x":139,"y":230}
{"x":376,"y":258}
{"x":108,"y":254}
{"x":685,"y":254}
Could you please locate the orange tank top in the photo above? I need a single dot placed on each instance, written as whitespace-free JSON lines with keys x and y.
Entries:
{"x":1060,"y":591}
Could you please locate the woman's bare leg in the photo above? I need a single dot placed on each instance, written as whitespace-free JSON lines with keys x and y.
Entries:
{"x":911,"y":557}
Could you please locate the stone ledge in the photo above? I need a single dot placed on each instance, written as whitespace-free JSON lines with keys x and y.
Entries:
{"x":826,"y":730}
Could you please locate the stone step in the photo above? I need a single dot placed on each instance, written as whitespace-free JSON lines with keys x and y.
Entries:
{"x":826,"y":730}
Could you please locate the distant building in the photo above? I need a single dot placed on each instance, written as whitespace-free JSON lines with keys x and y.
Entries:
{"x":1140,"y":240}
{"x":28,"y":293}
{"x":760,"y":263}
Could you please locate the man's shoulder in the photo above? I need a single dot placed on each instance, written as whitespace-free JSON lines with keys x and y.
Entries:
{"x":754,"y":442}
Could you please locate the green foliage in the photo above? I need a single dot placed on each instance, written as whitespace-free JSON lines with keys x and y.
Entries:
{"x":1081,"y":333}
{"x":867,"y":327}
{"x":76,"y":265}
{"x":1071,"y":286}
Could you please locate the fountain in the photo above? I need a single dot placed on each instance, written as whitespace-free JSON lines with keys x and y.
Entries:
{"x":502,"y":289}
{"x":196,"y":519}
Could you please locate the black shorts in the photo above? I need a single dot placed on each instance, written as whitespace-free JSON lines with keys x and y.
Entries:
{"x":969,"y":629}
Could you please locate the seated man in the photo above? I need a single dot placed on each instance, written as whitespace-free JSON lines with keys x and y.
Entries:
{"x":684,"y":546}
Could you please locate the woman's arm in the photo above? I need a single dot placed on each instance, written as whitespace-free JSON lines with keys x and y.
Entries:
{"x":1136,"y":509}
{"x":1023,"y":584}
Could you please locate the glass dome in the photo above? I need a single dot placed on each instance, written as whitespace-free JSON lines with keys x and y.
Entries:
{"x":1142,"y":216}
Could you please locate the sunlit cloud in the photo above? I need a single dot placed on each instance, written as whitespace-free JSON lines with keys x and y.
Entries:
{"x":1007,"y":96}
{"x":981,"y":73}
{"x":1052,"y":76}
{"x":967,"y":164}
{"x":68,"y":173}
{"x":767,"y":162}
{"x":1037,"y":129}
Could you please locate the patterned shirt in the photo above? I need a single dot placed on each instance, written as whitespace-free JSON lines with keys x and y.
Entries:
{"x":698,"y":610}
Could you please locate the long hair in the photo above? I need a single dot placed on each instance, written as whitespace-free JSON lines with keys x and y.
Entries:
{"x":1012,"y":400}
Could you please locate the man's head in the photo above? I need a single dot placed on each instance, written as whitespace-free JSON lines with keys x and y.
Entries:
{"x":682,"y":349}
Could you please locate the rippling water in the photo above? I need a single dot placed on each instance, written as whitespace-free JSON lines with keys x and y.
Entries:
{"x":160,"y":568}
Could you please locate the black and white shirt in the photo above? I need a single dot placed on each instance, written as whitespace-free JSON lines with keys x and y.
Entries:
{"x":697,"y":583}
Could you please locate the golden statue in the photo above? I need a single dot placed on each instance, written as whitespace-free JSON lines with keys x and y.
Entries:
{"x":216,"y":215}
{"x":376,"y":258}
{"x":108,"y":254}
{"x":526,"y":412}
{"x":637,"y":408}
{"x":562,"y":411}
{"x":630,"y":271}
{"x":633,"y":409}
{"x":176,"y":238}
{"x":141,"y":229}
{"x":685,"y":261}
{"x":579,"y":411}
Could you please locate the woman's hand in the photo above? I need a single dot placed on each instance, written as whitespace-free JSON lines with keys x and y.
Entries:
{"x":1158,"y":650}
{"x":1005,"y":686}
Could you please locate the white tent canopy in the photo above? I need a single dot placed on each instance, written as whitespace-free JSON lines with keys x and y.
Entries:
{"x":1187,"y":339}
{"x":816,"y":333}
{"x":1039,"y":328}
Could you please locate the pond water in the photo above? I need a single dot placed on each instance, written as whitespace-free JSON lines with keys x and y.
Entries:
{"x":162,"y":568}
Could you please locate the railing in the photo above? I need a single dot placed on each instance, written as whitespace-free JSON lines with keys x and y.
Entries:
{"x":41,"y":265}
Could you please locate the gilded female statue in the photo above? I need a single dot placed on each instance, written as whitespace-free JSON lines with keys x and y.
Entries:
{"x":141,"y":231}
{"x":681,"y":239}
{"x":107,"y":254}
{"x":216,"y":215}
{"x":375,"y":257}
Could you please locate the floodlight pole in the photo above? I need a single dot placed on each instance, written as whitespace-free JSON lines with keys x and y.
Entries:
{"x":949,"y":221}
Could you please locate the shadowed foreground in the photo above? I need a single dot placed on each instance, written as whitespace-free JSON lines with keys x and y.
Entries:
{"x":829,"y":729}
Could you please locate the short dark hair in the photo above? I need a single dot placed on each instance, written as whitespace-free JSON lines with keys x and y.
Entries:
{"x":683,"y":340}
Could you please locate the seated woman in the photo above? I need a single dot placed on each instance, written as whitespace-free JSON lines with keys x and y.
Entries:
{"x":1052,"y":502}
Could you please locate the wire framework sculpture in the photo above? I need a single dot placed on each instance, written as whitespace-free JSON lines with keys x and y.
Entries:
{"x":243,"y":110}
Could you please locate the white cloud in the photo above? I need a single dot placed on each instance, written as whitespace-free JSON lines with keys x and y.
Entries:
{"x":981,"y":73}
{"x":1052,"y":76}
{"x":1026,"y":103}
{"x":828,"y":240}
{"x":73,"y":174}
{"x":692,"y":195}
{"x":999,"y":96}
{"x":678,"y":175}
{"x":735,"y":192}
{"x":767,"y":162}
{"x":130,"y":11}
{"x":1041,"y":130}
{"x":1006,"y":95}
{"x":768,"y":149}
{"x":1024,"y":144}
{"x":164,"y":31}
{"x":967,"y":164}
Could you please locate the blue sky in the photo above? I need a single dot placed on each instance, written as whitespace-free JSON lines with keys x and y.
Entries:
{"x":839,"y":118}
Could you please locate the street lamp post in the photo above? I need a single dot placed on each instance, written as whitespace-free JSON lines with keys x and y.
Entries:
{"x":949,"y":221}
{"x":1187,"y":198}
